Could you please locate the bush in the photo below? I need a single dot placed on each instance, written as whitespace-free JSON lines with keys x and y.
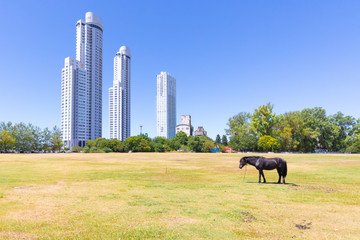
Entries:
{"x":159,"y":147}
{"x":93,"y":150}
{"x":106,"y":149}
{"x":77,"y":149}
{"x":208,"y":145}
{"x":86,"y":149}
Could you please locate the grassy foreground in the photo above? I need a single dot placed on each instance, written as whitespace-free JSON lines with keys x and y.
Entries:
{"x":176,"y":196}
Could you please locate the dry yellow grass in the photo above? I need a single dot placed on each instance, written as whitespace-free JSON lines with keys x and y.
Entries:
{"x":176,"y":196}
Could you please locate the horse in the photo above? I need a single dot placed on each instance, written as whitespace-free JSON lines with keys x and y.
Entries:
{"x":261,"y":163}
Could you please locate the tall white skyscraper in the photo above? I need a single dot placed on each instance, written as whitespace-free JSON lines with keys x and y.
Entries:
{"x":81,"y":98}
{"x":119,"y":96}
{"x":73,"y":98}
{"x":166,"y":105}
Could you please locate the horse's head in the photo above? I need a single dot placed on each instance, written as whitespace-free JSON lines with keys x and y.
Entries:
{"x":242,"y":163}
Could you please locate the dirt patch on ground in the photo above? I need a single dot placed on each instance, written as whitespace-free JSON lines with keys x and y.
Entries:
{"x":39,"y":202}
{"x":173,"y":221}
{"x":23,"y":187}
{"x":17,"y":235}
{"x":298,"y":187}
{"x":247,"y":217}
{"x":330,"y":190}
{"x":179,"y":220}
{"x":304,"y":225}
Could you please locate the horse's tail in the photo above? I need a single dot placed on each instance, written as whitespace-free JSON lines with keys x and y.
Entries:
{"x":285,"y":168}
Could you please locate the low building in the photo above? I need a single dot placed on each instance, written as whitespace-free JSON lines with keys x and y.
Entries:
{"x":229,"y":150}
{"x":185,"y":125}
{"x":200,"y":131}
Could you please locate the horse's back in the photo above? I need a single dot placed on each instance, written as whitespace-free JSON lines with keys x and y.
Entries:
{"x":269,"y":163}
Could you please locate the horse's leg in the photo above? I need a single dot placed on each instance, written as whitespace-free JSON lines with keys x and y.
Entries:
{"x":262,"y":173}
{"x":278,"y":170}
{"x":259,"y":176}
{"x":283,"y":180}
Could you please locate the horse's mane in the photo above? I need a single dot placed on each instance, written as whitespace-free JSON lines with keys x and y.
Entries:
{"x":251,"y":157}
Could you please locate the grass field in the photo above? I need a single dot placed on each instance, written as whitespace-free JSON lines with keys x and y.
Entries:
{"x":176,"y":196}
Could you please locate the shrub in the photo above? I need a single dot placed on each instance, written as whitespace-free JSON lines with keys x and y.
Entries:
{"x":106,"y":149}
{"x":86,"y":149}
{"x":93,"y":150}
{"x":77,"y":149}
{"x":159,"y":147}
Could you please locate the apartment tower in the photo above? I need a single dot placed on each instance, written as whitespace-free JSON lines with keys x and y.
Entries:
{"x":81,"y":94}
{"x":166,"y":105}
{"x":119,"y":96}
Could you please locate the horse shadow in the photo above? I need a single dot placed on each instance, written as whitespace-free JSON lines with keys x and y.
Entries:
{"x":275,"y":183}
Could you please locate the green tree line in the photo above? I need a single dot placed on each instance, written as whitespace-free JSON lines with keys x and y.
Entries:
{"x":143,"y":143}
{"x":308,"y":130}
{"x":23,"y":137}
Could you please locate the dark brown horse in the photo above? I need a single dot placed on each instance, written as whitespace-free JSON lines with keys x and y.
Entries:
{"x":262,"y":163}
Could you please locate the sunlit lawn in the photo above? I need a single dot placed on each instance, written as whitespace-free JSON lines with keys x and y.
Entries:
{"x":176,"y":196}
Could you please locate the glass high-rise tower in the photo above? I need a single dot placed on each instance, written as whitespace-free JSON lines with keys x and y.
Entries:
{"x":165,"y":105}
{"x":81,"y":95}
{"x":119,"y":96}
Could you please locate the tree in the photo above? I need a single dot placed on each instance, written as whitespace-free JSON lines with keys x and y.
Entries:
{"x":158,"y":147}
{"x":140,"y":143}
{"x":224,"y":140}
{"x":7,"y":126}
{"x":45,"y":140}
{"x":239,"y":124}
{"x":143,"y":146}
{"x":24,"y":137}
{"x":218,"y":139}
{"x":86,"y":149}
{"x":194,"y":144}
{"x":289,"y":129}
{"x":286,"y":138}
{"x":7,"y":141}
{"x":161,"y":144}
{"x":112,"y":143}
{"x":208,"y":145}
{"x":321,"y":131}
{"x":179,"y":140}
{"x":56,"y":139}
{"x":346,"y":126}
{"x":77,"y":149}
{"x":92,"y":143}
{"x":36,"y":144}
{"x":262,"y":120}
{"x":243,"y":142}
{"x":267,"y":142}
{"x":353,"y":143}
{"x":119,"y":146}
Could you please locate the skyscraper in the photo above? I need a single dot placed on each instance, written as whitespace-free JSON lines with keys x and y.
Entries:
{"x":119,"y":96}
{"x":166,"y":105}
{"x":81,"y":94}
{"x":73,"y":110}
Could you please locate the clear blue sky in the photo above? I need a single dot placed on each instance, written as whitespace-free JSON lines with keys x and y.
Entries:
{"x":227,"y":56}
